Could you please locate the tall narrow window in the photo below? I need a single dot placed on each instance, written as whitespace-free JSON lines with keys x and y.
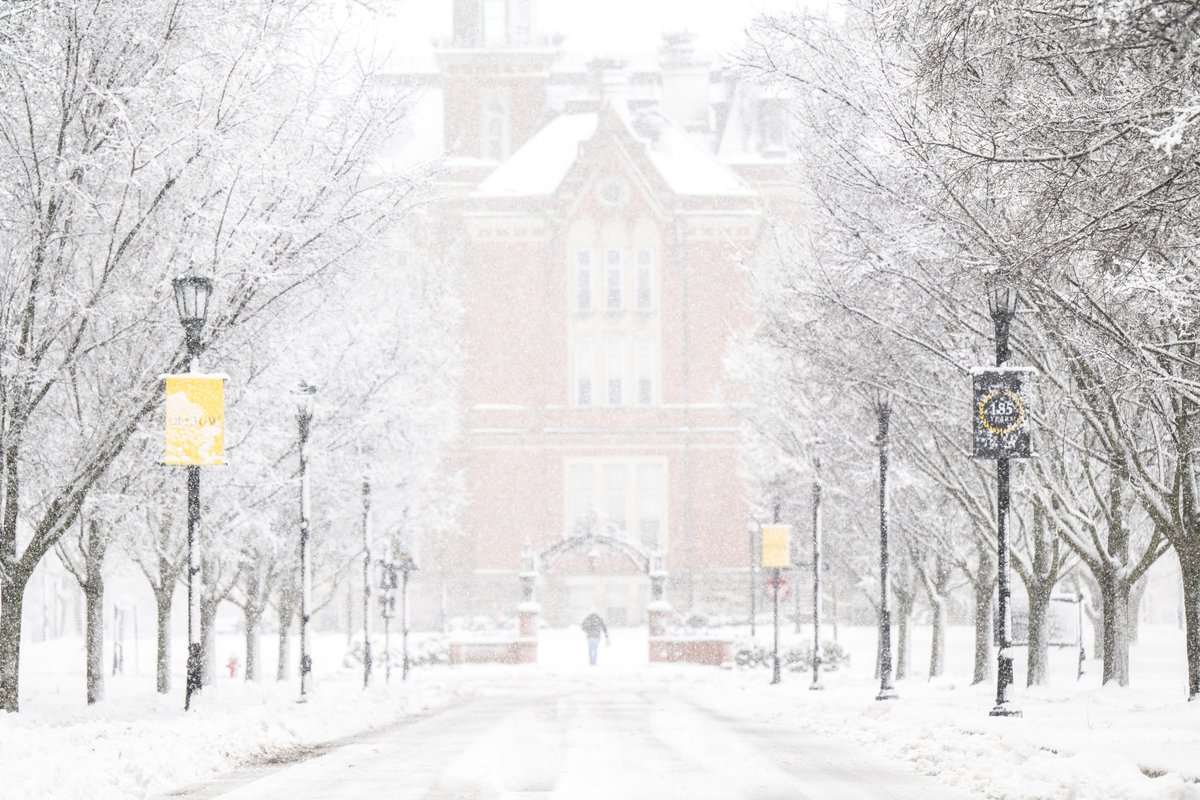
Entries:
{"x":614,"y":368}
{"x":644,"y":366}
{"x":580,"y":493}
{"x":583,"y":280}
{"x":494,"y":23}
{"x":584,"y":359}
{"x":495,"y":125}
{"x":651,"y":503}
{"x":616,"y":498}
{"x":613,"y":281}
{"x":644,"y":297}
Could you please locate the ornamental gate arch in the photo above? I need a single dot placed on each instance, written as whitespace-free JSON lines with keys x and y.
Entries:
{"x":645,"y":562}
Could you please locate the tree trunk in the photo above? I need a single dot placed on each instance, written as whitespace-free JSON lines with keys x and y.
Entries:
{"x":1114,"y":597}
{"x":1136,"y":593}
{"x":1189,"y":564}
{"x":252,"y":620}
{"x":1039,"y":634}
{"x":93,"y":593}
{"x":208,"y":642}
{"x":1096,"y":617}
{"x":162,"y":637}
{"x":983,"y":582}
{"x":983,"y":631}
{"x":12,"y":599}
{"x":937,"y":650}
{"x":282,"y":671}
{"x":904,"y":607}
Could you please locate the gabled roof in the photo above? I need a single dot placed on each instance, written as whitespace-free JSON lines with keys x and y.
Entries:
{"x":540,"y":166}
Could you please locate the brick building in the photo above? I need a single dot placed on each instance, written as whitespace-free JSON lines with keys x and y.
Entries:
{"x":602,"y":212}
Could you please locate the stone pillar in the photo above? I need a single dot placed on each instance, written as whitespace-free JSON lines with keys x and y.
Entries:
{"x":659,"y":610}
{"x":528,"y":610}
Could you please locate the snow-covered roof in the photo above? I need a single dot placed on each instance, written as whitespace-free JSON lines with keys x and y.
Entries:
{"x":688,"y":168}
{"x":542,"y":162}
{"x":538,"y":168}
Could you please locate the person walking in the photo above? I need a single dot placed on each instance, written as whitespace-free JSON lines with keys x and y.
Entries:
{"x":594,"y":626}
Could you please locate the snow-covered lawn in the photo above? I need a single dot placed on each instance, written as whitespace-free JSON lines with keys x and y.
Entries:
{"x":1075,"y":740}
{"x":138,"y":743}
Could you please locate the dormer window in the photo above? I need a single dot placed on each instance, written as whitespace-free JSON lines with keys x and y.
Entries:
{"x":772,"y":130}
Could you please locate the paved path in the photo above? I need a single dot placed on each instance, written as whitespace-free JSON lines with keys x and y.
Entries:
{"x":616,"y":737}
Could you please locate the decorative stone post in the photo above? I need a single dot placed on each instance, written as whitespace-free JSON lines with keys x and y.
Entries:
{"x":659,"y":609}
{"x":528,"y":610}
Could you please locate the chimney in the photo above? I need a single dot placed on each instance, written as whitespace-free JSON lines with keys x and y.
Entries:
{"x":685,"y":79}
{"x":468,"y":23}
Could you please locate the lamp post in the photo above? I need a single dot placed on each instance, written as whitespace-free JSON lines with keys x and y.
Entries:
{"x":192,"y":293}
{"x":366,"y":526}
{"x":751,"y":530}
{"x":882,"y":403}
{"x":406,"y":565}
{"x":816,"y":567}
{"x":304,"y":414}
{"x":387,"y":608}
{"x":1002,"y":305}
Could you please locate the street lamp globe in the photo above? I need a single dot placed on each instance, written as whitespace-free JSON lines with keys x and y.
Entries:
{"x":305,"y":396}
{"x":1001,"y":300}
{"x":881,"y":400}
{"x":191,"y":302}
{"x":191,"y":297}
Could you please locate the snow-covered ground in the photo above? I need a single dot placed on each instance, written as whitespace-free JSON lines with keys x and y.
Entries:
{"x":1075,"y":740}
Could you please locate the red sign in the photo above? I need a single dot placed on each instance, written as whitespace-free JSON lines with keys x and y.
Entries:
{"x":784,"y":588}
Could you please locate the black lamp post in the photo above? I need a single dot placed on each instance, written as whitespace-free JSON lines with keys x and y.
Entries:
{"x":305,"y":401}
{"x":388,"y":582}
{"x":816,"y":567}
{"x":406,"y":565}
{"x":752,"y":530}
{"x":366,"y":502}
{"x":882,"y":403}
{"x":1002,"y":305}
{"x":192,"y":293}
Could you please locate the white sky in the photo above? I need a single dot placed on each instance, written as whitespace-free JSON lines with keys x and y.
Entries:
{"x":626,"y":28}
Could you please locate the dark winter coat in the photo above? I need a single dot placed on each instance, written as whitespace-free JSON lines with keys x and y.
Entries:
{"x":593,"y":626}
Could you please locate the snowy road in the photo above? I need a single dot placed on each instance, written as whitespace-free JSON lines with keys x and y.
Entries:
{"x":617,"y":737}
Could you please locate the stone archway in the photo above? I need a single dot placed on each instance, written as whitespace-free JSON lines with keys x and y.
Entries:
{"x":645,"y":562}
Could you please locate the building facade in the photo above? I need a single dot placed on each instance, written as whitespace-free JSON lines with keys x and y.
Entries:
{"x":605,"y":216}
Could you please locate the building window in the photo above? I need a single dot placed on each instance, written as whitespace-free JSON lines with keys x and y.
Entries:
{"x":644,"y":298}
{"x":644,"y":365}
{"x":583,"y":280}
{"x":613,"y":280}
{"x":584,"y":363}
{"x":495,"y":126}
{"x":618,"y":497}
{"x":580,"y":503}
{"x":614,"y":369}
{"x":651,"y":504}
{"x":495,"y":22}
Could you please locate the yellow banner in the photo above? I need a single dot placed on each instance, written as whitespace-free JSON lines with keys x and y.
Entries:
{"x":195,"y":414}
{"x":776,"y":545}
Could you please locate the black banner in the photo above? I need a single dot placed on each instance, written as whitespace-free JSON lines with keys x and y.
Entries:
{"x":1000,"y":405}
